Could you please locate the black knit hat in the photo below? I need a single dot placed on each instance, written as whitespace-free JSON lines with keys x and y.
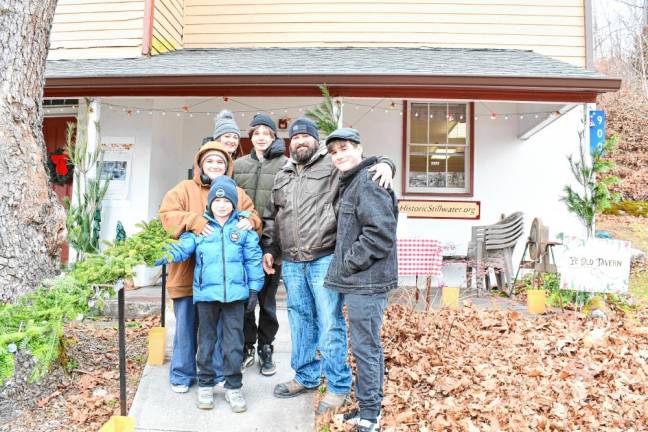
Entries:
{"x":304,"y":125}
{"x":262,"y":119}
{"x":222,"y":187}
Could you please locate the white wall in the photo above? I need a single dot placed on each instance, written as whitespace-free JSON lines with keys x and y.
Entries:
{"x":134,"y":208}
{"x":510,"y":174}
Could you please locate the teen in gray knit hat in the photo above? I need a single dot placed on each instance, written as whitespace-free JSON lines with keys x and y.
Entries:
{"x":227,"y":131}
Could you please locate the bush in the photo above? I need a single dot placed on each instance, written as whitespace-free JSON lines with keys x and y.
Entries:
{"x":35,"y":322}
{"x":632,"y":208}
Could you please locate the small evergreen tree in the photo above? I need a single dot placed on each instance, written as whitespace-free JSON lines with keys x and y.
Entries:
{"x":328,"y":115}
{"x":590,"y":175}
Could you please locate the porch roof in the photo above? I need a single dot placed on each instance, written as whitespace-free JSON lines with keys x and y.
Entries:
{"x":463,"y":73}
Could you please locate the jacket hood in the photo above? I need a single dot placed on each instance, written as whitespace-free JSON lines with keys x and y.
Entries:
{"x":211,"y":145}
{"x":276,"y":149}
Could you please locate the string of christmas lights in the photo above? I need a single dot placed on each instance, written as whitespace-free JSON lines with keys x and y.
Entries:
{"x":189,"y":111}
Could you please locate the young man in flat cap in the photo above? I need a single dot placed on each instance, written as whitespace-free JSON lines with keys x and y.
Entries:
{"x":364,"y":267}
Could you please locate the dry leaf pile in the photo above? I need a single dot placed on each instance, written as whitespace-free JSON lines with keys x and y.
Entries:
{"x":88,"y":396}
{"x":476,"y":370}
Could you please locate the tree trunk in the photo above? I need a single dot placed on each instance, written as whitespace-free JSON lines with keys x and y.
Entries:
{"x":32,"y":221}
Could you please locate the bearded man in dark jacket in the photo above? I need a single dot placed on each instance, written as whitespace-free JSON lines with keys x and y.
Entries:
{"x":300,"y":227}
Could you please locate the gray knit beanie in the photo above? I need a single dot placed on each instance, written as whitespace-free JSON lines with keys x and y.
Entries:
{"x":225,"y":123}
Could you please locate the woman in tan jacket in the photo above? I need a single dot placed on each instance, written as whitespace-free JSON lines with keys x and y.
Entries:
{"x":182,"y":210}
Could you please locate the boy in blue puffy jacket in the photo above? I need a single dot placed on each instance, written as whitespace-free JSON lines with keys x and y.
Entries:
{"x":228,"y":274}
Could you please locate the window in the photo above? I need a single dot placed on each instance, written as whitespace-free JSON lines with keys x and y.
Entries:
{"x":438,"y":154}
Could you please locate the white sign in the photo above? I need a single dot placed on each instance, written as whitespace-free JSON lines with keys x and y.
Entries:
{"x":116,"y":166}
{"x":594,"y":265}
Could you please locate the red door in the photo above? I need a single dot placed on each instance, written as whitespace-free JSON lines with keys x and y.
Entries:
{"x":54,"y":131}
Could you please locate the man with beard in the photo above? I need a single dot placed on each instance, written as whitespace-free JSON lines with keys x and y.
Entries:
{"x":300,"y":227}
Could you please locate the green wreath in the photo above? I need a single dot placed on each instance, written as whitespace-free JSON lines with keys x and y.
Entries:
{"x":60,"y":167}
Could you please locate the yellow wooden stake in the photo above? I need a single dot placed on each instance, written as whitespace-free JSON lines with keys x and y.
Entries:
{"x":536,"y":300}
{"x":450,"y":297}
{"x":119,"y":424}
{"x":156,"y":346}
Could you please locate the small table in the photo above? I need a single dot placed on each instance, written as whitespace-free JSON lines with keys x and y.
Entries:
{"x":420,"y":257}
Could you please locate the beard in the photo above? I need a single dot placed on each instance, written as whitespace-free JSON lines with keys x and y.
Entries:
{"x":303,"y":155}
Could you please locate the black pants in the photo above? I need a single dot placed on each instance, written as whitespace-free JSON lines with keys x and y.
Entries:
{"x":268,"y":324}
{"x":231,"y":315}
{"x":365,"y":321}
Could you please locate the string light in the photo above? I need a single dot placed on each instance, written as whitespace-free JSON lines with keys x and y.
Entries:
{"x":129,"y":110}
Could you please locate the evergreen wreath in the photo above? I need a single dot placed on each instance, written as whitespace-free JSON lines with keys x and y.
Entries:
{"x":60,"y":167}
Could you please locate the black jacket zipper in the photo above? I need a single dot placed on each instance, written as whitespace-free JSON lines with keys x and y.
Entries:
{"x":202,"y":268}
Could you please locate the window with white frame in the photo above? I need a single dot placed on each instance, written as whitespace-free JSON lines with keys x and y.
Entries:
{"x":438,"y":148}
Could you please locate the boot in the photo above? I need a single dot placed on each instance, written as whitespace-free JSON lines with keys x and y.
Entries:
{"x":266,"y":365}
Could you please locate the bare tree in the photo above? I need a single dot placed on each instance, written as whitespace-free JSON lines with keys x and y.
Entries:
{"x":31,"y":218}
{"x":621,"y":41}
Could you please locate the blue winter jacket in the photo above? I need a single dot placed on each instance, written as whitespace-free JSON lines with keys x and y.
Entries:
{"x":228,"y":262}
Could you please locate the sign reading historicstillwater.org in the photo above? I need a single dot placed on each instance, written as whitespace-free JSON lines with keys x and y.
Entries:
{"x":440,"y":209}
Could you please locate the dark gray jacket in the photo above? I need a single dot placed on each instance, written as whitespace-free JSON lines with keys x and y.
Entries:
{"x":257,"y":177}
{"x":300,"y":221}
{"x":365,"y":259}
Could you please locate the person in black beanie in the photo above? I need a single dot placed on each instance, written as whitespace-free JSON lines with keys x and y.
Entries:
{"x":255,"y":173}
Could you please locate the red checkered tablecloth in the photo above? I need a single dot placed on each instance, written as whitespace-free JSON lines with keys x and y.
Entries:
{"x":419,"y":257}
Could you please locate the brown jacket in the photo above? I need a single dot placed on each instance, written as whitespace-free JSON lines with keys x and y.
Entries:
{"x":182,"y":210}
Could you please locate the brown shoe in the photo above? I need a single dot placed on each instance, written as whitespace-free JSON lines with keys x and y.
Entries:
{"x":290,"y":389}
{"x":330,"y":402}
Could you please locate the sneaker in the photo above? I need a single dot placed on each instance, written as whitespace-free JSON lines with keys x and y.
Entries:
{"x":365,"y":425}
{"x":267,"y":367}
{"x":330,"y":402}
{"x":248,"y":358}
{"x":205,"y":397}
{"x":353,"y":417}
{"x":179,"y":388}
{"x":236,"y":400}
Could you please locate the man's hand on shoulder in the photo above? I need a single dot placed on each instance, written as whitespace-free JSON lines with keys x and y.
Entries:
{"x":383,"y":174}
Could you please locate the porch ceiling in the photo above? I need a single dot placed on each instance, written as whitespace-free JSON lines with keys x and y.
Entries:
{"x":456,"y":73}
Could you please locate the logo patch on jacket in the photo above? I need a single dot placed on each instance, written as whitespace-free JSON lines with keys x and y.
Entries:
{"x":234,"y":236}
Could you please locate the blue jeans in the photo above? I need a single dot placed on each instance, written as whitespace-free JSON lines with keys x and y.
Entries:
{"x":183,"y":359}
{"x":316,"y":323}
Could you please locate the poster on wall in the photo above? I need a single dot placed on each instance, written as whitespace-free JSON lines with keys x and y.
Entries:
{"x":117,"y":166}
{"x":594,"y":265}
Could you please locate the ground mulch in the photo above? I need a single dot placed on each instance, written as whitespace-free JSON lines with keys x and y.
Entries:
{"x":81,"y":392}
{"x":500,"y":370}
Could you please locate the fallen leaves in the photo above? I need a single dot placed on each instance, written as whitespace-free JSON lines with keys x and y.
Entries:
{"x":89,"y":395}
{"x":497,"y":370}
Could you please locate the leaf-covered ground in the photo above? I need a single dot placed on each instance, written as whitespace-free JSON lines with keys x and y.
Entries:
{"x":491,"y":370}
{"x":85,"y":396}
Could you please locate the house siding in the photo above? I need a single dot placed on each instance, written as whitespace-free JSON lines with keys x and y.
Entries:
{"x":167,"y":26}
{"x":97,"y":29}
{"x":551,"y":27}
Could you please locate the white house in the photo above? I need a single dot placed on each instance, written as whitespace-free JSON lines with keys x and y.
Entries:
{"x":478,"y":109}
